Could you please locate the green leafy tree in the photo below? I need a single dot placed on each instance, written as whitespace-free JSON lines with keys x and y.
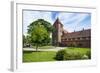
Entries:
{"x":39,"y":35}
{"x":39,"y":32}
{"x":46,"y":24}
{"x":28,"y":40}
{"x":24,"y":40}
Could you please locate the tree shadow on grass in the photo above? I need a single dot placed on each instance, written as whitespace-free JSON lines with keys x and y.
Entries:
{"x":27,"y":51}
{"x":31,"y":51}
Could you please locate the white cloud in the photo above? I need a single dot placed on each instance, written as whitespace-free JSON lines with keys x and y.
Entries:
{"x":73,"y":21}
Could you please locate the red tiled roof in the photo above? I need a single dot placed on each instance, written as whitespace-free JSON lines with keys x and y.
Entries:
{"x":65,"y":31}
{"x":83,"y":33}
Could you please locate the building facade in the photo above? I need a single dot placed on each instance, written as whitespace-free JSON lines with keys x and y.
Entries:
{"x":61,"y":37}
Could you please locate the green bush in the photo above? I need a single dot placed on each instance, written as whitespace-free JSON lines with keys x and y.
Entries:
{"x":73,"y":45}
{"x":60,"y":54}
{"x":73,"y":56}
{"x":78,"y":56}
{"x":88,"y":53}
{"x":68,"y":56}
{"x":85,"y":57}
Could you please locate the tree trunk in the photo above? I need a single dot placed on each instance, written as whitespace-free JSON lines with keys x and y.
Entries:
{"x":36,"y":47}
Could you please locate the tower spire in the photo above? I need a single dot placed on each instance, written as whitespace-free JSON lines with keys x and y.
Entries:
{"x":56,"y":35}
{"x":57,"y":19}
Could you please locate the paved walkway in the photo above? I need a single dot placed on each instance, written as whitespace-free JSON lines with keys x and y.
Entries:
{"x":54,"y":49}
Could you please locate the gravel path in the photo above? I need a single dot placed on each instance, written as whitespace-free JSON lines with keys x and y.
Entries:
{"x":55,"y":49}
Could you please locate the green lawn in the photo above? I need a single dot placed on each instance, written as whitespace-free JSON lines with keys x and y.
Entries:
{"x":40,"y":56}
{"x":29,"y":56}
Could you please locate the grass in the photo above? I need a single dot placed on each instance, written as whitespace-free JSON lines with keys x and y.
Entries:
{"x":46,"y":47}
{"x":29,"y":56}
{"x":41,"y":56}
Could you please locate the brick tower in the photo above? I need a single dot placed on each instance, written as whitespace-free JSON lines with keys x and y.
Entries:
{"x":56,"y":35}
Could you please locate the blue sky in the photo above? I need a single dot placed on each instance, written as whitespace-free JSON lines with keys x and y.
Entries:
{"x":71,"y":20}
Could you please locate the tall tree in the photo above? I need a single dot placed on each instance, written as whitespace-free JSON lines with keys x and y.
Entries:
{"x":46,"y":24}
{"x":39,"y":35}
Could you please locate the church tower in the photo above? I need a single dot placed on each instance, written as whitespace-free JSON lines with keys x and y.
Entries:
{"x":57,"y":33}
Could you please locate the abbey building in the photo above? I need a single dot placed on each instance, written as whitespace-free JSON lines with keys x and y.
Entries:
{"x":61,"y":37}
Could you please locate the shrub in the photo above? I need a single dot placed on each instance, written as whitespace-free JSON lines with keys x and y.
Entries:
{"x":68,"y":56}
{"x":60,"y":54}
{"x":73,"y":45}
{"x":88,"y":53}
{"x":78,"y":56}
{"x":73,"y":56}
{"x":85,"y":57}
